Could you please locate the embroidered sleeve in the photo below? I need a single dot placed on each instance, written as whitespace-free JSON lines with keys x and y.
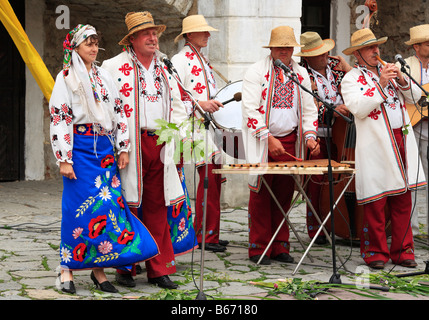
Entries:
{"x":61,"y":122}
{"x":122,"y":140}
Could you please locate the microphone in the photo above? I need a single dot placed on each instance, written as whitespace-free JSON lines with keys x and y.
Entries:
{"x":399,"y":58}
{"x":280,"y":64}
{"x":164,"y":58}
{"x":237,"y":97}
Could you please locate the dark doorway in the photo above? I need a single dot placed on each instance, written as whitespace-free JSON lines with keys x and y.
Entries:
{"x":12,"y":103}
{"x":316,"y":16}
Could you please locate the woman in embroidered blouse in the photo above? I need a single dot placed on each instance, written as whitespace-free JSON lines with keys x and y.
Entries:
{"x":88,"y":130}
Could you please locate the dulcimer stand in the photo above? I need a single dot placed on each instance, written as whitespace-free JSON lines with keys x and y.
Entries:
{"x":296,"y":169}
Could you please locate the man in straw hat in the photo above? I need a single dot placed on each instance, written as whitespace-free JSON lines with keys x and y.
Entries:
{"x":419,"y":70}
{"x":151,"y":181}
{"x":326,"y":73}
{"x":386,"y":153}
{"x":278,"y":119}
{"x":197,"y":77}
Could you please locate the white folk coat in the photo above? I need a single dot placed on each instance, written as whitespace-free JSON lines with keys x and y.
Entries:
{"x":257,"y":97}
{"x":124,"y":73}
{"x":379,"y":169}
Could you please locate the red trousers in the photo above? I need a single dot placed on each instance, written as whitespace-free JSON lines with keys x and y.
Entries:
{"x":264,"y":214}
{"x":213,"y":204}
{"x":373,"y":245}
{"x":153,"y":212}
{"x":314,"y":187}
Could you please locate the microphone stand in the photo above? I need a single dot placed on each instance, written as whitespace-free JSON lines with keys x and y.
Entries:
{"x":426,"y":271}
{"x":207,"y":122}
{"x":335,"y":277}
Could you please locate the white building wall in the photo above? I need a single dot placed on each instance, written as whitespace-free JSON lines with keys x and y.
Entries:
{"x":34,"y":154}
{"x":244,"y":28}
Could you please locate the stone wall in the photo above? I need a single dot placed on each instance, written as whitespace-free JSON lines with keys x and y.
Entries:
{"x":394,"y":20}
{"x":108,"y":17}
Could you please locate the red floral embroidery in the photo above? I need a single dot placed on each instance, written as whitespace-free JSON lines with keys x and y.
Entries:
{"x":79,"y":252}
{"x":125,"y":69}
{"x":267,"y":76}
{"x":251,"y":123}
{"x":362,"y":80}
{"x":177,"y":209}
{"x":199,"y":88}
{"x":264,"y":94}
{"x":260,"y":110}
{"x":125,"y":237}
{"x":196,"y":71}
{"x":300,"y":78}
{"x":120,"y":201}
{"x":107,"y":161}
{"x":122,"y":126}
{"x":369,"y":92}
{"x":97,"y":226}
{"x":190,"y":55}
{"x":126,"y":90}
{"x":128,"y":110}
{"x":67,"y":138}
{"x":374,"y":114}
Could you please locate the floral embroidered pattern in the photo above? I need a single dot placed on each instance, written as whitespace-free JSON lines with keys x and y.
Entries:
{"x":369,"y":92}
{"x":121,"y":239}
{"x":196,"y":71}
{"x":190,"y":55}
{"x":126,"y":90}
{"x":199,"y":88}
{"x":251,"y":123}
{"x":362,"y":80}
{"x":128,"y":110}
{"x":374,"y":114}
{"x":125,"y":69}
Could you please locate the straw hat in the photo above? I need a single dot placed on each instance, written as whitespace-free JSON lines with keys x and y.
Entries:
{"x":418,"y":34}
{"x":137,"y":21}
{"x":194,"y":23}
{"x":282,"y":36}
{"x":363,"y":38}
{"x":314,"y":45}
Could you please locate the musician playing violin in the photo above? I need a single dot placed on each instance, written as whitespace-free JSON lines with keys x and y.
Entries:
{"x":326,"y":73}
{"x":278,"y":119}
{"x":386,"y":153}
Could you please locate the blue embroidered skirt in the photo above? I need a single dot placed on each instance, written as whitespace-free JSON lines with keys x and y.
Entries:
{"x":98,"y":229}
{"x":179,"y":218}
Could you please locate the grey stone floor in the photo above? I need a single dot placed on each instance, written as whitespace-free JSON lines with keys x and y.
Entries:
{"x":29,"y":259}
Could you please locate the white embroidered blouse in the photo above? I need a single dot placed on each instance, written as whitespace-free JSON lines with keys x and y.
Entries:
{"x":66,"y":111}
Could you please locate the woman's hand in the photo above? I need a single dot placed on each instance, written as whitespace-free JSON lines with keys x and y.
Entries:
{"x":66,"y":170}
{"x":123,"y":160}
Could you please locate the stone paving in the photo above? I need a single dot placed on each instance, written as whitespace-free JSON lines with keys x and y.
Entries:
{"x":30,"y":213}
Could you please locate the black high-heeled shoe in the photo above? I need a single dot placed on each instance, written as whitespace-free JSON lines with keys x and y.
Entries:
{"x":67,"y":286}
{"x":106,"y":286}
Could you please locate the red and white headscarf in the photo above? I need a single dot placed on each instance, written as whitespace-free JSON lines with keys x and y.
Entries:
{"x":82,"y":82}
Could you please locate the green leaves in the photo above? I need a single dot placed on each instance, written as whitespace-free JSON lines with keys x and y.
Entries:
{"x":308,"y":290}
{"x":187,"y":146}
